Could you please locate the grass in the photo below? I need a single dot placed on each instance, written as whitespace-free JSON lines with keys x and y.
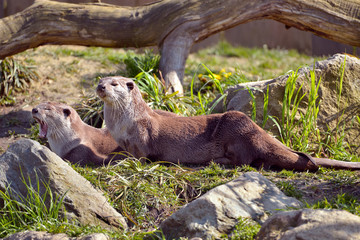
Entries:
{"x":245,"y":229}
{"x":104,"y":55}
{"x":135,"y":64}
{"x":341,"y":201}
{"x":299,"y":129}
{"x":35,"y":211}
{"x":15,"y":76}
{"x":289,"y":189}
{"x":147,"y":193}
{"x":292,"y":120}
{"x":252,"y":63}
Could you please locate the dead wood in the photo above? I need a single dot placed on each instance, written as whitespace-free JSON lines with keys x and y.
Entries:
{"x":172,"y":25}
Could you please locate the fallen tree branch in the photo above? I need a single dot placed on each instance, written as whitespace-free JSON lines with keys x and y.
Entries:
{"x":172,"y":25}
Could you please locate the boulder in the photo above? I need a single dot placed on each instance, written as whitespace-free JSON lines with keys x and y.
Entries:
{"x":27,"y":160}
{"x":33,"y":235}
{"x":331,"y":111}
{"x":311,"y":224}
{"x":218,"y":211}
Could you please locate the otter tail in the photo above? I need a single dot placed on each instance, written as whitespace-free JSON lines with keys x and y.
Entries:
{"x":336,"y":164}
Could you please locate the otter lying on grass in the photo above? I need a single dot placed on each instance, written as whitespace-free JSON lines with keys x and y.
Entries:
{"x":228,"y":138}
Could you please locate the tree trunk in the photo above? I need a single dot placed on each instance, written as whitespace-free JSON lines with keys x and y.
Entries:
{"x":172,"y":25}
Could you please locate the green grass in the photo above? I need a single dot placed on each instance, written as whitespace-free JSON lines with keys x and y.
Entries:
{"x":136,"y":188}
{"x":253,"y":63}
{"x":103,"y":55}
{"x":289,"y":189}
{"x":341,"y":201}
{"x":292,"y":120}
{"x":299,"y":130}
{"x":35,"y":211}
{"x":135,"y":64}
{"x":147,"y":193}
{"x":245,"y":229}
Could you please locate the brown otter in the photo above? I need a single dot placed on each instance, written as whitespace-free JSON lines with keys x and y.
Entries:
{"x":228,"y":138}
{"x":71,"y":138}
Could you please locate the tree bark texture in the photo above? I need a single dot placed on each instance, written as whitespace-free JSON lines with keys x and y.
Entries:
{"x":172,"y":25}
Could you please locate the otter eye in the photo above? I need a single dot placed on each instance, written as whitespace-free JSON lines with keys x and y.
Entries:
{"x":66,"y":112}
{"x":114,"y":84}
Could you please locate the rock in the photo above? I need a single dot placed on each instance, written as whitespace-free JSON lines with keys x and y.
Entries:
{"x":38,"y":164}
{"x":330,"y":111}
{"x":217,"y":211}
{"x":33,"y":235}
{"x":311,"y":224}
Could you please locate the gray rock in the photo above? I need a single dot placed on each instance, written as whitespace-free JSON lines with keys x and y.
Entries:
{"x":311,"y":224}
{"x":217,"y":211}
{"x":37,"y":163}
{"x":33,"y":235}
{"x":330,"y":111}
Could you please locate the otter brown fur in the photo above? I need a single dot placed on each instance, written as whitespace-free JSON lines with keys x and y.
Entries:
{"x":71,"y":138}
{"x":228,"y":138}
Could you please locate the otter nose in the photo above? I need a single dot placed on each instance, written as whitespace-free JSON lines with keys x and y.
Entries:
{"x":100,"y":87}
{"x":35,"y":110}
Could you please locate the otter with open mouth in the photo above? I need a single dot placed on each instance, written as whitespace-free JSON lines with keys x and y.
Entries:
{"x":231,"y":138}
{"x":72,"y":139}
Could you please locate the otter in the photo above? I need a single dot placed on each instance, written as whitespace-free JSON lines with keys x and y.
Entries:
{"x":231,"y":138}
{"x":72,"y":139}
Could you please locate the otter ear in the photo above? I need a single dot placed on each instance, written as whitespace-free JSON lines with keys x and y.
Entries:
{"x":130,"y":85}
{"x":66,"y":112}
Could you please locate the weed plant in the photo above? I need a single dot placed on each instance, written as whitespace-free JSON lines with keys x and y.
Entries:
{"x":35,"y":211}
{"x":90,"y":110}
{"x":14,"y":77}
{"x":291,"y":123}
{"x":245,"y":229}
{"x":289,"y":189}
{"x":299,"y":130}
{"x":341,"y":201}
{"x":147,"y":62}
{"x":252,"y":64}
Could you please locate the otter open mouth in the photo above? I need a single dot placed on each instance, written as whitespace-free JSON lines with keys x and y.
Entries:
{"x":43,"y":127}
{"x":101,"y":94}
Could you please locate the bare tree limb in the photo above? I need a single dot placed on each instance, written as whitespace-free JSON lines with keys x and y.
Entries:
{"x":172,"y":25}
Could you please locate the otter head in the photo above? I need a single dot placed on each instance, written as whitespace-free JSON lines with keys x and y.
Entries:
{"x":117,"y":92}
{"x":55,"y":119}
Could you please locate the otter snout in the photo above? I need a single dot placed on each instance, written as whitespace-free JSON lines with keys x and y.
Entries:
{"x":100,"y":87}
{"x":100,"y":90}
